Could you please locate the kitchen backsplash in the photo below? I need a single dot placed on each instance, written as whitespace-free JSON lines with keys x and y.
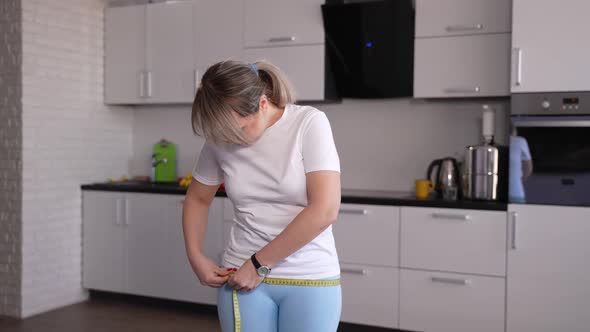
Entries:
{"x":383,"y":144}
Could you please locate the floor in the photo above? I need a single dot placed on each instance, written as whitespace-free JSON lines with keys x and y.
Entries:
{"x":122,"y":313}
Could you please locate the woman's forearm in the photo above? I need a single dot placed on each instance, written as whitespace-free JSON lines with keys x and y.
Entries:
{"x":306,"y":226}
{"x":194,"y":226}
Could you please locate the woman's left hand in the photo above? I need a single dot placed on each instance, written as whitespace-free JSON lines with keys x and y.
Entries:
{"x":246,"y":278}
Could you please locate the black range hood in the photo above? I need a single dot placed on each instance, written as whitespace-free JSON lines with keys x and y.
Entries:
{"x":370,"y":47}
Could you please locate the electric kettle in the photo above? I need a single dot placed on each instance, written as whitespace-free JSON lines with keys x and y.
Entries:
{"x":447,"y":175}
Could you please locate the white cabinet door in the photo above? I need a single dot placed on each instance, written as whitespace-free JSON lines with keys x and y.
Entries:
{"x":303,"y":65}
{"x":454,"y":240}
{"x":464,"y":66}
{"x":368,"y":234}
{"x":124,"y":55}
{"x":103,"y":239}
{"x":169,"y":53}
{"x":217,"y":33}
{"x":182,"y":282}
{"x":370,"y":295}
{"x":444,"y":302}
{"x":549,"y":48}
{"x":147,"y":244}
{"x":462,"y":17}
{"x":548,"y":270}
{"x":282,"y":22}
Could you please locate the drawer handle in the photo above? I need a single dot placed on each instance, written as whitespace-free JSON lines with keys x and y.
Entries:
{"x":281,"y":39}
{"x":451,"y":216}
{"x":518,"y":80}
{"x":475,"y":89}
{"x":353,"y":270}
{"x":463,"y":27}
{"x":362,"y":212}
{"x":513,"y":244}
{"x":453,"y":281}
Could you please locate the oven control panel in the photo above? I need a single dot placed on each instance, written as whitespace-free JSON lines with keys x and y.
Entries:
{"x":556,"y":103}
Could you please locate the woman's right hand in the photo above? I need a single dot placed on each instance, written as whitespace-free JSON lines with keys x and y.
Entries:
{"x":209,"y":273}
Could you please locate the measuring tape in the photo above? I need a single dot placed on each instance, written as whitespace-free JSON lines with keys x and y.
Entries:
{"x":279,"y":281}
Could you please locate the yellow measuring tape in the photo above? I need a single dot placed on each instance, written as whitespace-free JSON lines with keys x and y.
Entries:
{"x":279,"y":281}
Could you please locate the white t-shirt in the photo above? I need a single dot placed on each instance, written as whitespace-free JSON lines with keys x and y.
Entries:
{"x":266,"y":183}
{"x":519,"y":151}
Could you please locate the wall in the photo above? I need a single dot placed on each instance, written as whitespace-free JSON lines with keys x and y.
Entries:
{"x":69,"y":137}
{"x":10,"y":156}
{"x":383,"y":144}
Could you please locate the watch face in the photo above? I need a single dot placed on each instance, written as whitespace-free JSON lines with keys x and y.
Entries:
{"x":263,"y":271}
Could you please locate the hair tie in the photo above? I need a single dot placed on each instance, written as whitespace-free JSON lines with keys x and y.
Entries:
{"x":254,"y":68}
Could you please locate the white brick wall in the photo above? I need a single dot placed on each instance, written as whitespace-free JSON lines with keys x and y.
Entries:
{"x":69,"y":137}
{"x":10,"y":157}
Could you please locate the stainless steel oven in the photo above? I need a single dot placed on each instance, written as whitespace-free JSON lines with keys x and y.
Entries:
{"x":550,"y":149}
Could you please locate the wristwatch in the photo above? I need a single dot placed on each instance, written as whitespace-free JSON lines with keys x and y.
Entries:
{"x":262,"y":270}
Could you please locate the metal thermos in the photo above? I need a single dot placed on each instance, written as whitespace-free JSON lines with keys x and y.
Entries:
{"x":480,"y":176}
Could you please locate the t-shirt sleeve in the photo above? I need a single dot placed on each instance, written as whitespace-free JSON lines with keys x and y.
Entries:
{"x":207,"y":169}
{"x":525,"y":151}
{"x":318,"y":147}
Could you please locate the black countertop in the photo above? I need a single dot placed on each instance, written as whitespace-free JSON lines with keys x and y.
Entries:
{"x":353,"y":196}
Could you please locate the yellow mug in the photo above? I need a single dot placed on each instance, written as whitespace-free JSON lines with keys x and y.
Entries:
{"x":423,"y":188}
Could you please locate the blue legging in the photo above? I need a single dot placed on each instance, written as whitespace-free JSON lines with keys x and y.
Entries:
{"x":281,"y":308}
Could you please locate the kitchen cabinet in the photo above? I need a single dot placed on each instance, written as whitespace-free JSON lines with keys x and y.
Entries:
{"x":367,"y":241}
{"x":148,"y":54}
{"x":134,"y":243}
{"x":454,"y":240}
{"x":548,"y":272}
{"x":157,"y":53}
{"x":448,"y":302}
{"x":439,"y":18}
{"x":125,"y":48}
{"x":548,"y":52}
{"x":294,"y":42}
{"x":104,"y":255}
{"x":462,"y":66}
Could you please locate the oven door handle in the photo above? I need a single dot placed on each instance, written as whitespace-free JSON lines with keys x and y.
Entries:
{"x":552,"y":123}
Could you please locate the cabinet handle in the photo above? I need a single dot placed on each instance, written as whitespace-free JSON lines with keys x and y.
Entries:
{"x":149,"y":83}
{"x":513,"y":242}
{"x":518,"y":80}
{"x":362,"y":212}
{"x":126,"y":205}
{"x":142,"y":84}
{"x":281,"y":39}
{"x":196,"y":80}
{"x":463,"y":282}
{"x":463,"y":27}
{"x":475,"y":89}
{"x":451,"y":216}
{"x":118,"y":211}
{"x":353,"y":270}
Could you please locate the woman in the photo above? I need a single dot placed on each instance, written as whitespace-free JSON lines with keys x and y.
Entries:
{"x":282,"y":173}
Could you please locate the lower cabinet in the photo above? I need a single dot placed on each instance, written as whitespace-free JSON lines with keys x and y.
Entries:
{"x":134,"y":243}
{"x":370,"y":295}
{"x":448,"y":302}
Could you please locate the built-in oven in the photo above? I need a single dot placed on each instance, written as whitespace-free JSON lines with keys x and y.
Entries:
{"x":550,"y":149}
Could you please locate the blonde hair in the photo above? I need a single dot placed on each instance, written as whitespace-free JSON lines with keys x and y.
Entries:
{"x":234,"y":86}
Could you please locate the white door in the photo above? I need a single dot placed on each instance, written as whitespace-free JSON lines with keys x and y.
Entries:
{"x":147,"y":239}
{"x":217,"y":32}
{"x":182,"y":282}
{"x":283,"y":22}
{"x":303,"y":65}
{"x":550,"y":52}
{"x":169,"y":53}
{"x":124,"y":55}
{"x":548,"y":271}
{"x":103,"y":240}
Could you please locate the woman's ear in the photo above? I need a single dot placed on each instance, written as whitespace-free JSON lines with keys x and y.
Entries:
{"x":263,"y":103}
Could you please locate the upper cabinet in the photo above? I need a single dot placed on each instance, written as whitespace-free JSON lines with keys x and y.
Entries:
{"x":462,"y":48}
{"x":549,"y":53}
{"x":294,"y":41}
{"x":461,"y":17}
{"x":282,"y":22}
{"x":156,"y":53}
